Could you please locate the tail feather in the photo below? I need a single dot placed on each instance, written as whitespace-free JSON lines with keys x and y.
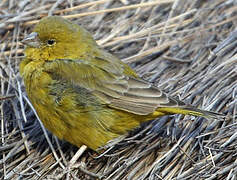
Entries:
{"x":191,"y":111}
{"x":204,"y":113}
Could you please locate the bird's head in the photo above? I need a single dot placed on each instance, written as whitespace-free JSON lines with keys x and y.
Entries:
{"x":57,"y":38}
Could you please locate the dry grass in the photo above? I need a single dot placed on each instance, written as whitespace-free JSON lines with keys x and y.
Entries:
{"x":186,"y":47}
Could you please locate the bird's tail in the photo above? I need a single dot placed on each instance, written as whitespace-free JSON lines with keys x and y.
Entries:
{"x":191,"y":111}
{"x":204,"y":113}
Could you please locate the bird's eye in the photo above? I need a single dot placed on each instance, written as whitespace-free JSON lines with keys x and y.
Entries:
{"x":51,"y":42}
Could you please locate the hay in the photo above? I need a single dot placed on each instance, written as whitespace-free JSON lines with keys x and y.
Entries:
{"x":188,"y":48}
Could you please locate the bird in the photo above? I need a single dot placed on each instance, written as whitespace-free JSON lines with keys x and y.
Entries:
{"x":84,"y":94}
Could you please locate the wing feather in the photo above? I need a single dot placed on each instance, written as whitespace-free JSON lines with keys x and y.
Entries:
{"x":113,"y":88}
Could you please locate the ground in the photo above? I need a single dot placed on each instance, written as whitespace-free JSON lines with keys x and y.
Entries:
{"x":187,"y":48}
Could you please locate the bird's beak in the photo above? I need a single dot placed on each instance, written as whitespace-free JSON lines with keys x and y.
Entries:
{"x":31,"y":40}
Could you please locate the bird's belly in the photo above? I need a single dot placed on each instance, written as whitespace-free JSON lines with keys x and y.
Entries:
{"x":76,"y":115}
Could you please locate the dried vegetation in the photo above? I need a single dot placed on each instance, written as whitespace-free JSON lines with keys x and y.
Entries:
{"x":186,"y":47}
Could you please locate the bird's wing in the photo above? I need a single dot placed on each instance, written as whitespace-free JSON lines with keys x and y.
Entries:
{"x":113,"y":87}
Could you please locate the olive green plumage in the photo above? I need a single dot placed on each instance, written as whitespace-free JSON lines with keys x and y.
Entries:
{"x":82,"y":93}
